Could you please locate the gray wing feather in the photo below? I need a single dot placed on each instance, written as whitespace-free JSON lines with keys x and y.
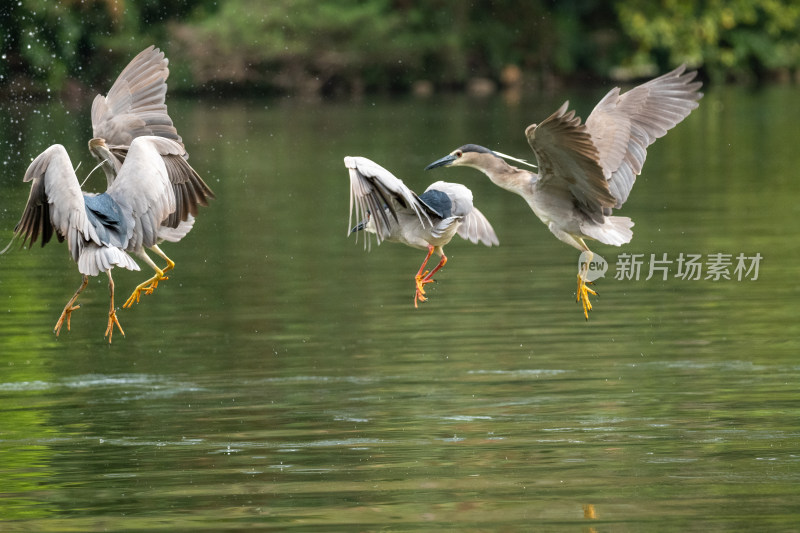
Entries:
{"x":622,"y":126}
{"x":55,"y":203}
{"x":135,"y":104}
{"x":188,"y":187}
{"x":372,"y":188}
{"x":166,"y":233}
{"x":476,"y":228}
{"x":143,"y":189}
{"x":568,"y":160}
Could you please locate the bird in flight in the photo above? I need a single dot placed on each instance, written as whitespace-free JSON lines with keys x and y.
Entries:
{"x":152,"y":192}
{"x":383,"y":206}
{"x":586,"y":170}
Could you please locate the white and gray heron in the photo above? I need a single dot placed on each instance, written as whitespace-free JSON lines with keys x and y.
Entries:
{"x":382,"y":205}
{"x":101,"y":229}
{"x":140,"y":212}
{"x":135,"y":106}
{"x":587,"y":170}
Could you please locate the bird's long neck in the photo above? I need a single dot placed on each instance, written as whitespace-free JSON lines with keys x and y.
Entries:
{"x":506,"y":176}
{"x":102,"y":154}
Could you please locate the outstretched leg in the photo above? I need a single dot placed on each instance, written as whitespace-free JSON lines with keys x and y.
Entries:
{"x":112,"y":313}
{"x":162,"y":255}
{"x":428,"y":276}
{"x":428,"y":279}
{"x":420,"y":291}
{"x":70,"y":307}
{"x":584,"y":291}
{"x":577,"y":242}
{"x":150,"y":285}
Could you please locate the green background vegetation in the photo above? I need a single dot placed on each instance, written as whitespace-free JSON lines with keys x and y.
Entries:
{"x":356,"y":46}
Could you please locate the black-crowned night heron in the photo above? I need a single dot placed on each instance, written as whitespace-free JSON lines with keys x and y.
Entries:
{"x":586,"y":170}
{"x":135,"y":106}
{"x":152,"y":194}
{"x":383,"y":205}
{"x":101,"y":228}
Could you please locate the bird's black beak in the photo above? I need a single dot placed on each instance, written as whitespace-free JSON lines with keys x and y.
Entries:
{"x":358,"y":227}
{"x":443,"y":162}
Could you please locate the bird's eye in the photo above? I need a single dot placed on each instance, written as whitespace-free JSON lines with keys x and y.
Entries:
{"x":458,"y":154}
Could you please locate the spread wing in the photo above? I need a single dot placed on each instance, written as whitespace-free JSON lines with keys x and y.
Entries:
{"x":569,"y":161}
{"x":476,"y":228}
{"x":143,"y":189}
{"x":376,"y":192}
{"x":188,"y":187}
{"x":55,"y":203}
{"x":622,"y":126}
{"x":135,"y":104}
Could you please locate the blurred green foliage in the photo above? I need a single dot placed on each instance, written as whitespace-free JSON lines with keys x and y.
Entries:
{"x":730,"y":38}
{"x":354,"y":46}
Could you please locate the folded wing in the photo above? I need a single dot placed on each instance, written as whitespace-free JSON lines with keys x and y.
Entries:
{"x":568,"y":161}
{"x":55,"y":203}
{"x":376,"y":192}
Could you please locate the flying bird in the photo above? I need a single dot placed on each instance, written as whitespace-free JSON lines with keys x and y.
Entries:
{"x":383,"y":206}
{"x":586,"y":170}
{"x":135,"y":106}
{"x":102,"y":229}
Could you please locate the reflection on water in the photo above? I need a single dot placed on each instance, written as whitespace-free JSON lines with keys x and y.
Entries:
{"x":281,"y":377}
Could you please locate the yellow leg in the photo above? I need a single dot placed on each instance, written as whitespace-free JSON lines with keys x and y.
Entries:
{"x":112,"y":313}
{"x":147,"y":287}
{"x":419,"y":294}
{"x":70,"y":307}
{"x":170,"y":264}
{"x":423,"y":279}
{"x":583,"y":293}
{"x":150,"y":285}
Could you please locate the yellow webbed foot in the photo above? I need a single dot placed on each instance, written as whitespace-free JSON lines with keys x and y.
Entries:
{"x":112,"y":321}
{"x":65,"y":314}
{"x":583,"y":295}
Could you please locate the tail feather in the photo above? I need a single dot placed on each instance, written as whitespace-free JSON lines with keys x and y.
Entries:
{"x":95,"y":259}
{"x":615,"y":231}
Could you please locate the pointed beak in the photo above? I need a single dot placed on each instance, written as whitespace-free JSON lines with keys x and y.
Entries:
{"x":443,"y":162}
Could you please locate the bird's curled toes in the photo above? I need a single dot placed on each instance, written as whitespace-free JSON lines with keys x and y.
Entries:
{"x":112,"y":321}
{"x":585,"y":288}
{"x":153,"y":285}
{"x":134,"y":297}
{"x":421,"y":282}
{"x":419,"y":296}
{"x":67,"y":313}
{"x":583,"y":298}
